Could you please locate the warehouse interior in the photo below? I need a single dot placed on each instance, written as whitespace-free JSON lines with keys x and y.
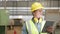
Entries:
{"x":14,"y":13}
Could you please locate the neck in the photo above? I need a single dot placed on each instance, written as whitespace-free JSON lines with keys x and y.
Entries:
{"x":36,"y":18}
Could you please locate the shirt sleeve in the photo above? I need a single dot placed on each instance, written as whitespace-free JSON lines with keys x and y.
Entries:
{"x":24,"y":30}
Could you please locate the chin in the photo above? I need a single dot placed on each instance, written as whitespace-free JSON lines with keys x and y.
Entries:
{"x":38,"y":17}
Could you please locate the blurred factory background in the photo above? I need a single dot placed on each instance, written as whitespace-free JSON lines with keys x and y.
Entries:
{"x":14,"y":13}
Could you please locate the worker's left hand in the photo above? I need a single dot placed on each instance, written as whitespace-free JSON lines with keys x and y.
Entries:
{"x":50,"y":29}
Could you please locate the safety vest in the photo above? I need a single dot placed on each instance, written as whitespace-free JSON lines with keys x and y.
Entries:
{"x":31,"y":28}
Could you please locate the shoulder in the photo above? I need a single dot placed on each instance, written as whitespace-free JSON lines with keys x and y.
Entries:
{"x":44,"y":22}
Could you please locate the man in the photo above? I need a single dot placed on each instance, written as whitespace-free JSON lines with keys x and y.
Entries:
{"x":36,"y":24}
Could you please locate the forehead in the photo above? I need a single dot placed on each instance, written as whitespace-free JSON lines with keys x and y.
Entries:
{"x":38,"y":10}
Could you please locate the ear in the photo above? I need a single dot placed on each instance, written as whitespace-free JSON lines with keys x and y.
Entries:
{"x":33,"y":13}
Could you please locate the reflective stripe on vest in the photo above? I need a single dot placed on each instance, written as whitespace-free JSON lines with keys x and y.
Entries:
{"x":32,"y":28}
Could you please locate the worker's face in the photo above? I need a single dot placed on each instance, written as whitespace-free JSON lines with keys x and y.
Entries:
{"x":37,"y":13}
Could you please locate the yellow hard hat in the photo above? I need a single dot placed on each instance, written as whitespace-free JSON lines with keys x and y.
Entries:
{"x":36,"y":6}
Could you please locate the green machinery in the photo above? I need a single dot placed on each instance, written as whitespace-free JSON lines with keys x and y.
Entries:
{"x":4,"y":20}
